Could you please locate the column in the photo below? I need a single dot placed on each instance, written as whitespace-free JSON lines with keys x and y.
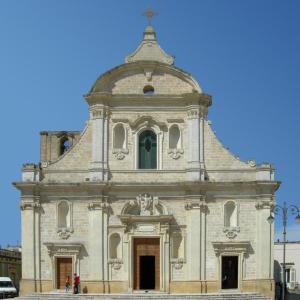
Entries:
{"x":193,"y":145}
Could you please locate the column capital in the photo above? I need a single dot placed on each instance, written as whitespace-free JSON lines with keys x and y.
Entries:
{"x":96,"y":205}
{"x":196,"y":204}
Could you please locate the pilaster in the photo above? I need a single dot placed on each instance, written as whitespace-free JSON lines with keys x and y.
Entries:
{"x":99,"y":119}
{"x":30,"y":232}
{"x":98,"y":239}
{"x":265,"y":237}
{"x":196,"y":236}
{"x":195,"y":124}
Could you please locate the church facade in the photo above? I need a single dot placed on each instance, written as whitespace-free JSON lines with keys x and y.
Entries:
{"x":146,"y":198}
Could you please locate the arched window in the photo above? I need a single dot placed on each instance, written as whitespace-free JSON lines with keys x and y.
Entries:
{"x":177,"y":246}
{"x":147,"y":150}
{"x":63,"y":215}
{"x":174,"y":137}
{"x":230,"y":214}
{"x":64,"y":145}
{"x":115,"y":246}
{"x":148,"y":90}
{"x":119,"y":137}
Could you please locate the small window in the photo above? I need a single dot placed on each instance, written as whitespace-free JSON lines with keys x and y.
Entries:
{"x":148,"y":90}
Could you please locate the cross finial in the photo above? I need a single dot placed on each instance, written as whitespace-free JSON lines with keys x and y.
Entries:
{"x":149,"y":14}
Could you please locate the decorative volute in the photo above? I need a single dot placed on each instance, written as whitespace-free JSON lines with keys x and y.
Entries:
{"x":149,"y":49}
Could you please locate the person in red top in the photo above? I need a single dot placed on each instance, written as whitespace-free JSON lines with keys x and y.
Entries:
{"x":76,"y":283}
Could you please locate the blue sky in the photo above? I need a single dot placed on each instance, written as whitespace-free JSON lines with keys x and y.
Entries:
{"x":244,"y":53}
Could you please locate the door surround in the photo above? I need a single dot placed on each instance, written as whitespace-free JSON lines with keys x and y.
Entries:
{"x":239,"y":249}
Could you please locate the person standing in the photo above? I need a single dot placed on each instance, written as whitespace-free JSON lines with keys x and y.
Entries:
{"x":67,"y":284}
{"x":76,"y":282}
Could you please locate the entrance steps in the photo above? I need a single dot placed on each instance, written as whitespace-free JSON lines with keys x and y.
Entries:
{"x":146,"y":296}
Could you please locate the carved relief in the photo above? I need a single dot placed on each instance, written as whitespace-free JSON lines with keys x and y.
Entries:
{"x":175,"y":153}
{"x":145,"y":203}
{"x":116,"y":263}
{"x":65,"y":233}
{"x":177,"y":263}
{"x":231,"y":232}
{"x":120,"y":153}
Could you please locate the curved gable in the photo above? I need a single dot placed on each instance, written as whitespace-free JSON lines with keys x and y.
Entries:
{"x":131,"y":78}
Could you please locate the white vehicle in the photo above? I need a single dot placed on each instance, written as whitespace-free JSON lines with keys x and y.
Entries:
{"x":7,"y":289}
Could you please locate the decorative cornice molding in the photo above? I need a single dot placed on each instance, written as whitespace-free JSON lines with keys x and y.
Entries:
{"x":231,"y":247}
{"x":63,"y":248}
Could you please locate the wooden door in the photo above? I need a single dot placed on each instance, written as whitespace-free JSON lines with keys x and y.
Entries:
{"x":63,"y":270}
{"x":146,"y":263}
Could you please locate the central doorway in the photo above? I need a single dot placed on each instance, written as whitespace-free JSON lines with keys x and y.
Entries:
{"x":63,"y":270}
{"x":146,"y":264}
{"x":229,"y":272}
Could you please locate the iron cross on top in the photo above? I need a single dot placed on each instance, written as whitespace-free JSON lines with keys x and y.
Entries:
{"x":149,"y":14}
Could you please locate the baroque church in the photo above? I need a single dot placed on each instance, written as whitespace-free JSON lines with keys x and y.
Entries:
{"x":146,"y":198}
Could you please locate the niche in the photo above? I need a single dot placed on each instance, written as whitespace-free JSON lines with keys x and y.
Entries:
{"x":177,"y":246}
{"x":230,"y":214}
{"x":115,"y":246}
{"x":175,"y":149}
{"x":64,"y":215}
{"x":119,"y":141}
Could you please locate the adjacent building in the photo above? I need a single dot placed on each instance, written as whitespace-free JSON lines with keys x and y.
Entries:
{"x":146,"y":197}
{"x":292,"y":263}
{"x":10,"y":264}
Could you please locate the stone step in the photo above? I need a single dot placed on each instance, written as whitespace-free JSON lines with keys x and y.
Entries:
{"x":150,"y":296}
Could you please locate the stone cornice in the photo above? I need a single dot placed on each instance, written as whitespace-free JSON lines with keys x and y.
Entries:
{"x":265,"y":187}
{"x":127,"y":219}
{"x":187,"y":99}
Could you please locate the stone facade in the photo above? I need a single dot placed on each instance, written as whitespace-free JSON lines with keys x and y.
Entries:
{"x":88,"y":199}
